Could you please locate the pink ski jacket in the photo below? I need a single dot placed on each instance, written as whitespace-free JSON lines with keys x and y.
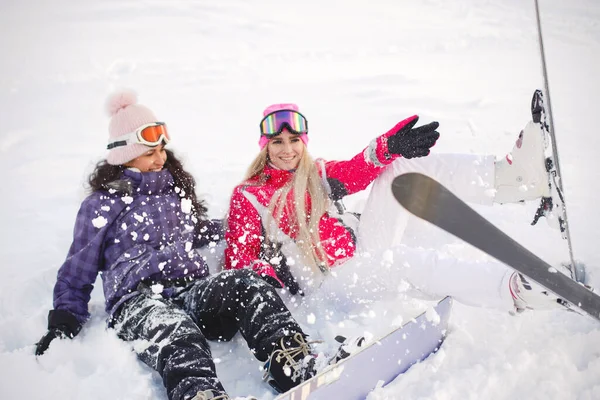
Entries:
{"x":250,"y":201}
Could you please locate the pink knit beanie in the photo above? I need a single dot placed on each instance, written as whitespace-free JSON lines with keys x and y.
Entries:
{"x":262,"y":142}
{"x":126,"y":116}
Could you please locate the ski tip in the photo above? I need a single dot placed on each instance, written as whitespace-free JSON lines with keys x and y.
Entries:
{"x":405,"y":184}
{"x":412,"y":189}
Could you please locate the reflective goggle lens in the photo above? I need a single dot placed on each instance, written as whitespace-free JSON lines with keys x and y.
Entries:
{"x":151,"y":134}
{"x":154,"y":134}
{"x":274,"y":123}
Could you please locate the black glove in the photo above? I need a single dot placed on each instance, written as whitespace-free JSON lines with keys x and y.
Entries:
{"x":409,"y":142}
{"x":271,"y":281}
{"x":61,"y":324}
{"x":286,"y":277}
{"x":272,"y":251}
{"x":283,"y":272}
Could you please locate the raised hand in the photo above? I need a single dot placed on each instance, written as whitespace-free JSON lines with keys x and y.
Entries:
{"x":410,"y":142}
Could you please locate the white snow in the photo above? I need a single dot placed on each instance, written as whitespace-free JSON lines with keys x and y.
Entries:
{"x":208,"y":69}
{"x":99,"y":222}
{"x":186,"y":206}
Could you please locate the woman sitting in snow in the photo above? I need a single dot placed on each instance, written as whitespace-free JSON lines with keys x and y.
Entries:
{"x":280,"y":223}
{"x":140,"y":227}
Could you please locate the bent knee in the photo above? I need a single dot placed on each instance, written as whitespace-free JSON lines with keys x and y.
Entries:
{"x":244,"y":277}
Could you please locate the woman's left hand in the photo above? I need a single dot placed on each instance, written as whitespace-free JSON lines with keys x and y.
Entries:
{"x":412,"y":142}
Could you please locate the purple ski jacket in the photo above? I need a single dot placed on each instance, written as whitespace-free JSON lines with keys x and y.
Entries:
{"x":143,"y":234}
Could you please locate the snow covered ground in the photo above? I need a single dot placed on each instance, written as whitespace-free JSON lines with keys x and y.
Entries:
{"x":208,"y":68}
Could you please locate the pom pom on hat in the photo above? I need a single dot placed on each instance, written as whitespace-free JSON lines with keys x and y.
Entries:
{"x":126,"y":116}
{"x":120,"y":100}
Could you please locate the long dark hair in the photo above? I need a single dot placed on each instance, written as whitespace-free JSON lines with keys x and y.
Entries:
{"x":105,"y":174}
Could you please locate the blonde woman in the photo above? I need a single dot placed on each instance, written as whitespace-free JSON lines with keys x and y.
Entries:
{"x":282,"y":226}
{"x":278,"y":222}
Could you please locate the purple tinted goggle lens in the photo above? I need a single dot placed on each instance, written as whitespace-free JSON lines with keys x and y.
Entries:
{"x":274,"y":123}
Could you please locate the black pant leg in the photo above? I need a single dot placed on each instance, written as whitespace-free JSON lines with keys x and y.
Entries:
{"x":240,"y":300}
{"x":177,"y":349}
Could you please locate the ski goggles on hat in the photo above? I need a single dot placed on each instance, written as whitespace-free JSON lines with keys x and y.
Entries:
{"x":151,"y":134}
{"x":274,"y":123}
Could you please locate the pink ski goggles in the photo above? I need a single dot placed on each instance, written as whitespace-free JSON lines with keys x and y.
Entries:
{"x":274,"y":123}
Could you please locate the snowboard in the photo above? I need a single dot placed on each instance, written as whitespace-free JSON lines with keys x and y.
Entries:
{"x":428,"y":199}
{"x":380,"y":361}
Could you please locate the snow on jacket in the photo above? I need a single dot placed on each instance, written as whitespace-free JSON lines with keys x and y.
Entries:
{"x":250,"y":201}
{"x":147,"y":235}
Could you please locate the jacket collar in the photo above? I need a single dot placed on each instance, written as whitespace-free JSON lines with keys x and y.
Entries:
{"x":149,"y":182}
{"x":277,"y":177}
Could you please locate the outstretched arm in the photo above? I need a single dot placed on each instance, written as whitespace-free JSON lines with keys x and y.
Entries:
{"x":403,"y":140}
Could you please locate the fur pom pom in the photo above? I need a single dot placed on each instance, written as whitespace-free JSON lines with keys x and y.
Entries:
{"x":119,"y":100}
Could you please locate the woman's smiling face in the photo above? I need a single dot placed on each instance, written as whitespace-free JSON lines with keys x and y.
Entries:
{"x":152,"y":160}
{"x":285,"y":150}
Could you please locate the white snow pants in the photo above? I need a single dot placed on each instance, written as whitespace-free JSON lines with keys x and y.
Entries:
{"x":385,"y":227}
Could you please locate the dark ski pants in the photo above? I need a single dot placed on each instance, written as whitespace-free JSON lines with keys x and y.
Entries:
{"x":173,"y":333}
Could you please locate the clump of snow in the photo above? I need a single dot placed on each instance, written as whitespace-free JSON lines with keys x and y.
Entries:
{"x":388,"y":257}
{"x":186,"y":205}
{"x":157,"y":288}
{"x":432,"y":316}
{"x":99,"y":222}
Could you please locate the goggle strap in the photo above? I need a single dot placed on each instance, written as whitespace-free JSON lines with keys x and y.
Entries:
{"x":118,"y":143}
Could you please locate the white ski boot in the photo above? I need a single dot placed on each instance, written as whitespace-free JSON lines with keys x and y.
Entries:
{"x":529,"y":295}
{"x":522,"y":174}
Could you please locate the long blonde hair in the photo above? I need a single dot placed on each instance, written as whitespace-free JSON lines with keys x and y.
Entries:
{"x":306,"y":179}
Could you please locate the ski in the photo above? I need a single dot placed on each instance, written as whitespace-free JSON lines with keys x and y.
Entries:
{"x":553,"y":208}
{"x":428,"y":199}
{"x":380,"y":361}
